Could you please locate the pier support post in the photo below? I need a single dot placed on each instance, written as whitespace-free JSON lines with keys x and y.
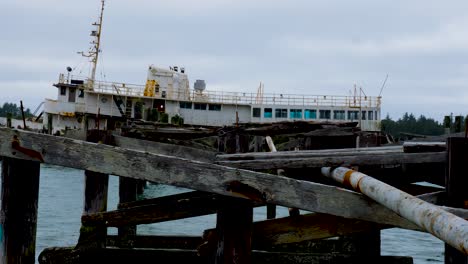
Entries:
{"x":95,"y":200}
{"x":9,"y":117}
{"x":235,"y":219}
{"x":258,"y":147}
{"x":127,"y":193}
{"x":456,"y":187}
{"x":234,"y":228}
{"x":18,"y":222}
{"x":140,"y":185}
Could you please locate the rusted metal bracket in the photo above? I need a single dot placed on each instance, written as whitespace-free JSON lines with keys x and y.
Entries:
{"x":15,"y":144}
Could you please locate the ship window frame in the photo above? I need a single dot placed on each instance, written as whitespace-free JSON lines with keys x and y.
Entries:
{"x":281,"y":113}
{"x":295,"y":113}
{"x":268,"y":112}
{"x":156,"y":88}
{"x":199,"y":106}
{"x":185,"y":105}
{"x":353,"y":115}
{"x":310,"y":113}
{"x":339,"y":115}
{"x":214,"y":107}
{"x":256,"y":112}
{"x":363,"y":115}
{"x":81,"y":93}
{"x":63,"y":91}
{"x":324,"y":114}
{"x":370,"y":115}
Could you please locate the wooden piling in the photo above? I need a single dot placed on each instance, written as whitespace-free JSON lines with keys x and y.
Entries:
{"x":456,"y":187}
{"x":20,"y":193}
{"x":235,"y":219}
{"x":234,"y":230}
{"x":22,"y":115}
{"x":127,"y":193}
{"x":140,"y":186}
{"x":95,"y":200}
{"x":9,"y":117}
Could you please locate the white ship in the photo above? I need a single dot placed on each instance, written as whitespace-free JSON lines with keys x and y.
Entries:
{"x":83,"y":102}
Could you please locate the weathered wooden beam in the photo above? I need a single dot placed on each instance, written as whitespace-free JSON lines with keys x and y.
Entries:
{"x":163,"y":199}
{"x":319,"y":226}
{"x":201,"y":176}
{"x":356,"y":160}
{"x":127,"y":193}
{"x":234,"y":217}
{"x":420,"y":147}
{"x":457,"y":190}
{"x":95,"y":199}
{"x":306,"y":227}
{"x":407,"y":147}
{"x":165,"y":149}
{"x":170,"y":242}
{"x":113,"y":255}
{"x":162,"y":209}
{"x":234,"y":232}
{"x":309,"y":153}
{"x":18,"y":221}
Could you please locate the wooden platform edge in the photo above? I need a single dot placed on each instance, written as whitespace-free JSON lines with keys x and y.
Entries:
{"x":109,"y":255}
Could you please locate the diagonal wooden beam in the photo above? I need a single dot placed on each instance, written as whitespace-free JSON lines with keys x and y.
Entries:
{"x":200,"y":176}
{"x":165,"y":149}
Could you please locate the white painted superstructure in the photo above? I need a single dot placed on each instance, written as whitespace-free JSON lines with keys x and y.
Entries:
{"x":168,"y":91}
{"x":84,"y":103}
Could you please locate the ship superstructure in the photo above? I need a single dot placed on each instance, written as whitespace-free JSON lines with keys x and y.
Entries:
{"x":84,"y":102}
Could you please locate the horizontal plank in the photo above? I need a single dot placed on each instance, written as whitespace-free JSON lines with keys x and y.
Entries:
{"x":306,"y":227}
{"x":163,"y":199}
{"x":333,"y":161}
{"x":117,"y":255}
{"x":200,"y":176}
{"x":266,"y":233}
{"x":173,"y":207}
{"x":162,"y":209}
{"x":165,"y":149}
{"x":309,"y":153}
{"x":420,"y":147}
{"x":179,"y":242}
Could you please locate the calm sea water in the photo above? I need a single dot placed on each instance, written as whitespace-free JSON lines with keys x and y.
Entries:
{"x":61,"y":203}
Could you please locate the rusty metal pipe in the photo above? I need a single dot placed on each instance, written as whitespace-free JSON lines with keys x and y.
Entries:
{"x":448,"y":227}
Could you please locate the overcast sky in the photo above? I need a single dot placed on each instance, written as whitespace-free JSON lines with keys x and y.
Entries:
{"x":296,"y":47}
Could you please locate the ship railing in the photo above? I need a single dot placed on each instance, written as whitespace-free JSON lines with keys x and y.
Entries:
{"x":221,"y":97}
{"x":122,"y":89}
{"x":286,"y":99}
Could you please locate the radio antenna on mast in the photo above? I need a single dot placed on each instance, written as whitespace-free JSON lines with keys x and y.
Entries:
{"x":93,"y":52}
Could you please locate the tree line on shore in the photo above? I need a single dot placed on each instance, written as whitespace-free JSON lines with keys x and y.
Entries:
{"x":14,"y":111}
{"x":409,"y":124}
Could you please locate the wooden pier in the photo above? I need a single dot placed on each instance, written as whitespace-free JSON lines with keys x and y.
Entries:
{"x":339,"y":223}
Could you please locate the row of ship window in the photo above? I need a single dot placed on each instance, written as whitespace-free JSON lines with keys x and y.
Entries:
{"x":312,"y":114}
{"x":293,"y":113}
{"x":200,"y":106}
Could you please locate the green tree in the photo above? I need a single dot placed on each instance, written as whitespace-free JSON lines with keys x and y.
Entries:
{"x":14,"y":110}
{"x":409,"y":124}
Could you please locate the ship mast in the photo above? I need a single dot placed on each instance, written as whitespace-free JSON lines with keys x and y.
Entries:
{"x":93,"y":52}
